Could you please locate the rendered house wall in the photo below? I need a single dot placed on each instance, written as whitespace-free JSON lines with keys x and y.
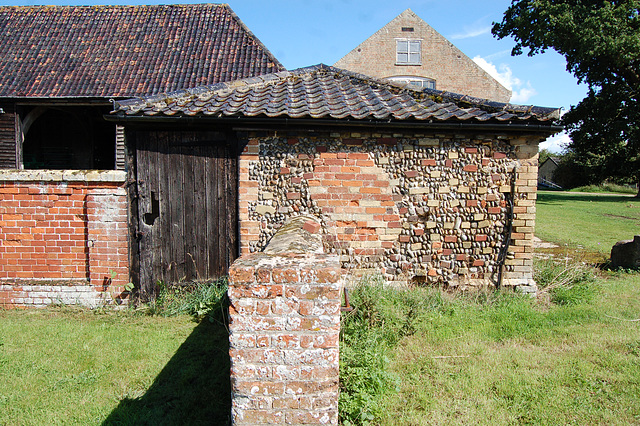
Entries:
{"x":416,"y":207}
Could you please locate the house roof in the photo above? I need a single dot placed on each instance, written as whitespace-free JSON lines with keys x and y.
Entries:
{"x":322,"y":91}
{"x":124,"y":51}
{"x":552,"y":159}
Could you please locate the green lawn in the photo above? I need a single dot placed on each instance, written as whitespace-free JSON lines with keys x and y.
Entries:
{"x":595,"y":222}
{"x":519,"y":364}
{"x":407,"y":358}
{"x":74,"y":367}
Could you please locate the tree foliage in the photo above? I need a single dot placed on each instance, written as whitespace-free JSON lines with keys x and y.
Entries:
{"x":601,"y":43}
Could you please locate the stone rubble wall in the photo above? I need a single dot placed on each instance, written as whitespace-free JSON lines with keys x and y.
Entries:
{"x":416,"y":207}
{"x":284,"y":338}
{"x":63,"y":237}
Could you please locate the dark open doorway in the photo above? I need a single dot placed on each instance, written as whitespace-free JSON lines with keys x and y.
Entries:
{"x":69,"y":137}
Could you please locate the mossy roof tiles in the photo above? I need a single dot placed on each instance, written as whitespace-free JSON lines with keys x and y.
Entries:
{"x":124,"y":51}
{"x":326,"y":92}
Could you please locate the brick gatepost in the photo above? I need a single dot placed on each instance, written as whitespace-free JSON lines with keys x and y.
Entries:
{"x":284,"y":333}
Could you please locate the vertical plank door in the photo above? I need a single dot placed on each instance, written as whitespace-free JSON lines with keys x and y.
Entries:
{"x":187,"y":206}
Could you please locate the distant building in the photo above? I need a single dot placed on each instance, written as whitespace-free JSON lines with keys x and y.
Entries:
{"x":408,"y":50}
{"x":547,"y":169}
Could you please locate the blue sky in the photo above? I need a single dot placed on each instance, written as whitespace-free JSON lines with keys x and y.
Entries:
{"x":302,"y":33}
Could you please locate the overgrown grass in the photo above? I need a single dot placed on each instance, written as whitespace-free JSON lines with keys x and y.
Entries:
{"x":64,"y":366}
{"x":198,"y":299}
{"x":607,"y":188}
{"x":594,"y":222}
{"x":418,"y":356}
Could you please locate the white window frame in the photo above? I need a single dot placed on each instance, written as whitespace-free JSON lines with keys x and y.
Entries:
{"x":414,"y":82}
{"x":408,"y":51}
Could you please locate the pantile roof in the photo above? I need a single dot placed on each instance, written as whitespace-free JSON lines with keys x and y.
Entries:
{"x":124,"y":51}
{"x":322,"y":91}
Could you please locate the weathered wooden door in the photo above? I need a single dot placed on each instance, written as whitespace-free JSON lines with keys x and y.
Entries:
{"x":187,"y":205}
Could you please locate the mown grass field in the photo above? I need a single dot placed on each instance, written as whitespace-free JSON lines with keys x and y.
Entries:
{"x":593,"y":221}
{"x":63,"y":366}
{"x":416,"y":357}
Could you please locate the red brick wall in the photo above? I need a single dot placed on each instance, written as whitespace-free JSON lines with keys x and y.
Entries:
{"x":62,"y":229}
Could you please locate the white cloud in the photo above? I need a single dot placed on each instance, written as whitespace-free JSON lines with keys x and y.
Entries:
{"x":521,"y":96}
{"x":556,"y":143}
{"x":520,"y":92}
{"x":470,"y":32}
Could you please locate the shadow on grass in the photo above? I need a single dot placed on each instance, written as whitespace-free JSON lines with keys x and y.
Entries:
{"x":560,"y":197}
{"x":192,"y":389}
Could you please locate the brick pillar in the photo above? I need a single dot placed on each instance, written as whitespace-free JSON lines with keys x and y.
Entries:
{"x":284,"y":329}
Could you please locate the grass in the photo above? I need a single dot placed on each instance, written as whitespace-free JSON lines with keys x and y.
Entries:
{"x":593,"y":222}
{"x":408,"y":357}
{"x":419,"y":357}
{"x":63,"y":366}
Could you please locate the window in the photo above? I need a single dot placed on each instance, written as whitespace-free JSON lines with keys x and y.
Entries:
{"x":417,"y":83}
{"x":408,"y":52}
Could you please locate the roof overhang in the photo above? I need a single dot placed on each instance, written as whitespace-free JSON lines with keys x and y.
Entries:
{"x":324,"y":123}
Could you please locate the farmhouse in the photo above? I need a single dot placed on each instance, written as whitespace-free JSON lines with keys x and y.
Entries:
{"x":408,"y":50}
{"x":420,"y":185}
{"x":63,"y":200}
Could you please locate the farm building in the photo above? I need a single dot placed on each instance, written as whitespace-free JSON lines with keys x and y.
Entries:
{"x":421,"y":186}
{"x":546,"y":170}
{"x":63,"y":200}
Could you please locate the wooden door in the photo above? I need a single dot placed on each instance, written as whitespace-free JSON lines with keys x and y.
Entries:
{"x":187,"y":206}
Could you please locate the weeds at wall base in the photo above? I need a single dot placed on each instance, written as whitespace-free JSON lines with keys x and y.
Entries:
{"x":198,"y":299}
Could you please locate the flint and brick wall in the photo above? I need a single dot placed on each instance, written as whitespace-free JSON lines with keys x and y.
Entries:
{"x":63,"y":237}
{"x":284,"y":332}
{"x":415,"y":207}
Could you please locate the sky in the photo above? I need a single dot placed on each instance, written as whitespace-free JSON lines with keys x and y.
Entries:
{"x":301,"y":33}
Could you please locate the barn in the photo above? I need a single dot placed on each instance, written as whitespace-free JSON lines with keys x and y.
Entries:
{"x":63,"y":199}
{"x":422,"y":186}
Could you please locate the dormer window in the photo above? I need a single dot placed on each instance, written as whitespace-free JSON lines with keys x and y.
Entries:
{"x":408,"y":51}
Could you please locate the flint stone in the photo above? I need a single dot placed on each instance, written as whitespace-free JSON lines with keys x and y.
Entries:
{"x":626,"y":254}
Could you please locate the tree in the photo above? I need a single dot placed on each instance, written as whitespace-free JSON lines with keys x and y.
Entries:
{"x":544,"y":154}
{"x":601,"y":42}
